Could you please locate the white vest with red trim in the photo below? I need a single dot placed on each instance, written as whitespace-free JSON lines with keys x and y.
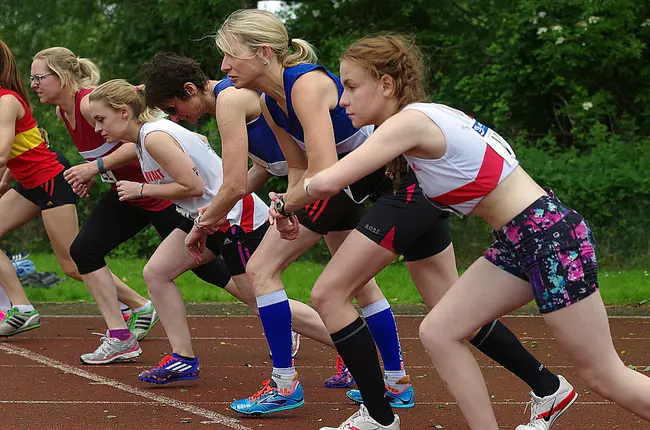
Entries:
{"x":476,"y":160}
{"x":249,"y":213}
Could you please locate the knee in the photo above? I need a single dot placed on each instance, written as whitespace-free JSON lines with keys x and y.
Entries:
{"x":432,"y":336}
{"x":85,"y":260}
{"x":72,"y":272}
{"x":259,"y":272}
{"x":325,"y":298}
{"x":600,"y":380}
{"x":153,"y":276}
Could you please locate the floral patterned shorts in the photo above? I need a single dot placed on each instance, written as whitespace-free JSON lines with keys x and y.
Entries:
{"x":551,"y":247}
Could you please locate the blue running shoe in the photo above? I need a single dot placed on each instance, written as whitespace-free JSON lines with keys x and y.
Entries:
{"x":402,"y":397}
{"x":270,"y":399}
{"x":172,"y":368}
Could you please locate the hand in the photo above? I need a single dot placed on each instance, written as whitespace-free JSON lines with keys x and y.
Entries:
{"x":195,"y":244}
{"x":209,"y":224}
{"x":81,"y":173}
{"x":274,"y":214}
{"x":289,"y":228}
{"x":127,"y":190}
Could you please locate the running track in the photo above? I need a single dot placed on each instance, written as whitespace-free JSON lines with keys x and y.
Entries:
{"x":45,"y":386}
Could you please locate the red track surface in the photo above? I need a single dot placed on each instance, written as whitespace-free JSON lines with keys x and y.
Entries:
{"x":45,"y":386}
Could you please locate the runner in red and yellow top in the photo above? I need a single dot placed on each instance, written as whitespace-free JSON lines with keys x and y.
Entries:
{"x":68,"y":82}
{"x":40,"y":189}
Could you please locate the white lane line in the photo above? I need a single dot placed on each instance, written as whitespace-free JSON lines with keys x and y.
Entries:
{"x":521,"y":338}
{"x":214,"y":417}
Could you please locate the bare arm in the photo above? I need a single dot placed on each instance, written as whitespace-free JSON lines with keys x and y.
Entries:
{"x":407,"y":131}
{"x":313,"y":95}
{"x":231,"y":112}
{"x":84,"y":172}
{"x":169,"y":155}
{"x":10,"y":111}
{"x":257,"y":177}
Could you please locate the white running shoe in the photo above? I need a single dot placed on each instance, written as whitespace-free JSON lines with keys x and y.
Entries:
{"x":141,"y":323}
{"x":13,"y":321}
{"x":361,"y":420}
{"x":112,"y":349}
{"x":544,"y":411}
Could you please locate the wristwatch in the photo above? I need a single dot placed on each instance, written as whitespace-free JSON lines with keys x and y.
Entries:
{"x":279,"y":207}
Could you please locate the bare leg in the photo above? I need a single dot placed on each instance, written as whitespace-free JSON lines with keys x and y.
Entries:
{"x":62,"y":226}
{"x":582,"y":330}
{"x":433,"y":276}
{"x":127,"y":295}
{"x":102,"y":287}
{"x":167,"y":263}
{"x":16,"y":211}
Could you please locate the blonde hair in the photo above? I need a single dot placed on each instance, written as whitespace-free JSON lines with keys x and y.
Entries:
{"x":118,"y":93}
{"x":75,"y":73}
{"x":398,"y":57}
{"x":254,"y":28}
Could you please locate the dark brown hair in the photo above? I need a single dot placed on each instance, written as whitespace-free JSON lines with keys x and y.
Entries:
{"x":9,"y":74}
{"x":166,"y":73}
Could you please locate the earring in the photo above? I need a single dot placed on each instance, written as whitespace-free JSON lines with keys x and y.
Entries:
{"x":266,"y":63}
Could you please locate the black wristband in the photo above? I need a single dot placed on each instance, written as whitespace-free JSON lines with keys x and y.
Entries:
{"x":279,"y":207}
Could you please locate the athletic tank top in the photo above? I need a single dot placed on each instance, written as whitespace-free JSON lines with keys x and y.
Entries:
{"x":476,"y":160}
{"x":30,"y":161}
{"x":92,"y":145}
{"x":346,"y":136}
{"x":249,"y":213}
{"x":263,"y":147}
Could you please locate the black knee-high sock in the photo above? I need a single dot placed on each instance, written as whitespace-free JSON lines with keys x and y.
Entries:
{"x":355,"y":345}
{"x":500,"y":344}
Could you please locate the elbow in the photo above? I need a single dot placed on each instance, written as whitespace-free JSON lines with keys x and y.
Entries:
{"x":235,"y":191}
{"x":197,"y":189}
{"x":321,"y":189}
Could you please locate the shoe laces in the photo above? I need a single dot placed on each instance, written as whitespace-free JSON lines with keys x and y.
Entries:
{"x":359,"y":416}
{"x":341,"y":368}
{"x":166,"y":359}
{"x":534,"y":422}
{"x":266,"y":388}
{"x":106,"y":343}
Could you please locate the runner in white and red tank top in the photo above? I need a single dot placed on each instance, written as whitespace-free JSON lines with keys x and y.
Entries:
{"x":68,"y":82}
{"x":543,"y":249}
{"x":178,"y":166}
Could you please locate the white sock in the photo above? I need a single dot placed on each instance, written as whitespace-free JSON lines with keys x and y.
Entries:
{"x":24,"y":308}
{"x":283,"y":377}
{"x":392,"y":376}
{"x":146,"y":307}
{"x":5,"y":303}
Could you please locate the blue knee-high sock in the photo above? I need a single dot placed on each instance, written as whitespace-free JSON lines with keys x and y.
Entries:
{"x":381,"y":322}
{"x":275,"y":314}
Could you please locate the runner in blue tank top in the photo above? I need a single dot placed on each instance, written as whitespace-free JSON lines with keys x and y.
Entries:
{"x":301,"y":106}
{"x":178,"y":85}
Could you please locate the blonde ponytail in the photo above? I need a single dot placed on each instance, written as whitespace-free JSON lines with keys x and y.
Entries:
{"x":74,"y":73}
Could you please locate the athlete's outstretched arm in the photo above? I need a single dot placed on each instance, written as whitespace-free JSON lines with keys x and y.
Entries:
{"x":404,"y":132}
{"x":10,"y":110}
{"x":84,"y":172}
{"x":169,"y":155}
{"x":231,"y":108}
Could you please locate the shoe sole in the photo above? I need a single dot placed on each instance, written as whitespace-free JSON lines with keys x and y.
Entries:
{"x":392,"y":404}
{"x":280,"y":409}
{"x":122,"y":357}
{"x":157,"y":382}
{"x":22,"y":330}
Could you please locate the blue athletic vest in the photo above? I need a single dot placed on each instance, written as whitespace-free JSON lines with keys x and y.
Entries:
{"x":347,"y":137}
{"x":263,"y":147}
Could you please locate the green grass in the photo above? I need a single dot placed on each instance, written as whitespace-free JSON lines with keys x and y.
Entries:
{"x":617,"y":286}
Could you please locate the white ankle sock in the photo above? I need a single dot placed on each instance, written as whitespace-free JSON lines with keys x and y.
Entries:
{"x":146,"y":307}
{"x":24,"y":308}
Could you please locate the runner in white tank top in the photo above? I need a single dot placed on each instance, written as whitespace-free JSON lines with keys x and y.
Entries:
{"x":543,"y":249}
{"x":180,"y":167}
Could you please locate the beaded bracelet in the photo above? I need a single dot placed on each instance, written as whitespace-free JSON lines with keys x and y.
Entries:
{"x":141,"y":189}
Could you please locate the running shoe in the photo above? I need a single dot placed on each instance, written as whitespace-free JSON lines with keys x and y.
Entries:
{"x":112,"y":349}
{"x":295,"y":345}
{"x":17,"y":256}
{"x":141,"y":323}
{"x":544,"y":411}
{"x":342,"y":378}
{"x":361,"y":420}
{"x":172,"y":368}
{"x":270,"y":399}
{"x":14,"y":322}
{"x":399,"y":396}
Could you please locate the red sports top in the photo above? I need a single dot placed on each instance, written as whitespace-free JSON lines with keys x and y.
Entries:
{"x":31,"y":162}
{"x":92,"y":145}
